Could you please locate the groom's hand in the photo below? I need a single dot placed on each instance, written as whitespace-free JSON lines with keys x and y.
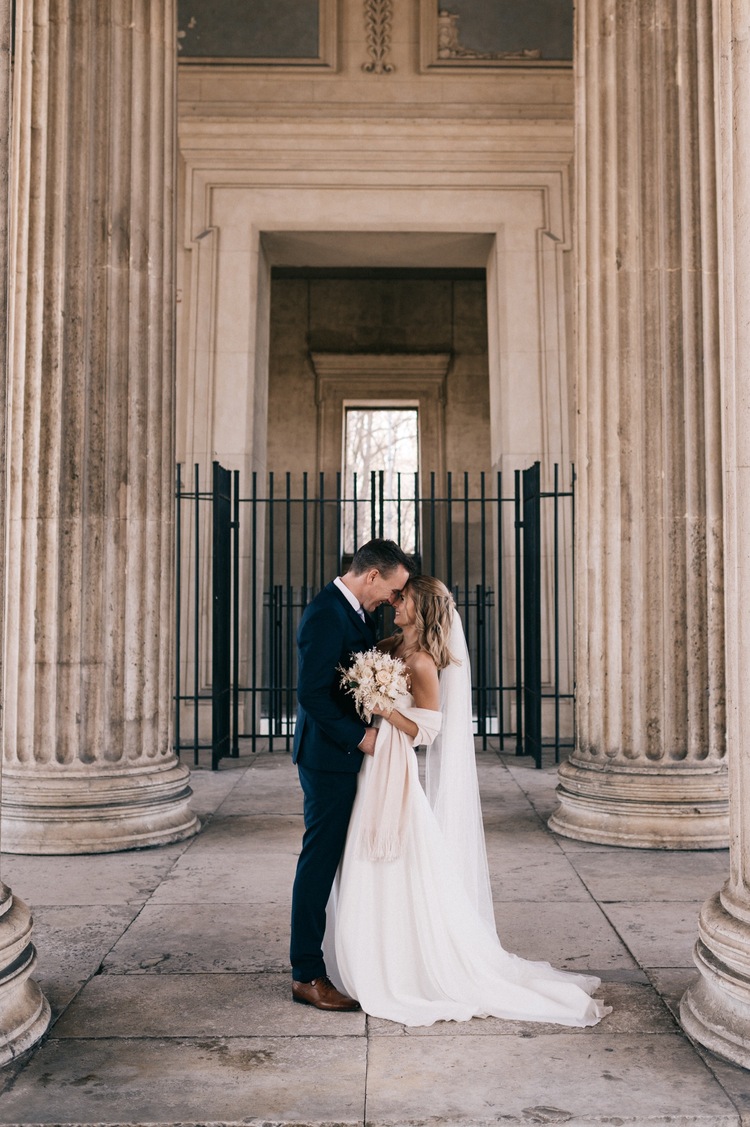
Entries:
{"x":367,"y":744}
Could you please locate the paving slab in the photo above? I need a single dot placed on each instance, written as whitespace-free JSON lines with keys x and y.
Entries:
{"x":651,"y":874}
{"x":199,"y":1005}
{"x":104,"y":878}
{"x":244,"y":1080}
{"x":274,"y":791}
{"x":672,"y":982}
{"x":570,"y":936}
{"x":659,"y":933}
{"x":72,"y":943}
{"x":210,"y":788}
{"x":627,"y":1080}
{"x":535,"y":876}
{"x":511,"y":819}
{"x":202,"y":938}
{"x":243,"y":836}
{"x":503,"y":848}
{"x":211,"y":876}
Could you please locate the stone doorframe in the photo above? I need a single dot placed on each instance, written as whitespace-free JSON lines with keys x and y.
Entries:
{"x":332,"y":202}
{"x":242,"y":213}
{"x":395,"y":379}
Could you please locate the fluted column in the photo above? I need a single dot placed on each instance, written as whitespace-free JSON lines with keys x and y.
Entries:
{"x":88,"y":759}
{"x":716,"y":1011}
{"x":649,"y":765}
{"x":24,"y":1011}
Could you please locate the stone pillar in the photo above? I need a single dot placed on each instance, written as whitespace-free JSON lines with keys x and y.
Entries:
{"x":649,"y":765}
{"x":88,"y":759}
{"x":24,"y":1011}
{"x":716,"y":1011}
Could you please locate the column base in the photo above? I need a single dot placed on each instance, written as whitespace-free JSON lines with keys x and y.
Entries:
{"x":24,"y":1011}
{"x":715,"y":1011}
{"x":643,"y":807}
{"x":61,"y":809}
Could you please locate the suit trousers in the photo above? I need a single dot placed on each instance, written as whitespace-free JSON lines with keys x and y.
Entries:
{"x":328,"y":800}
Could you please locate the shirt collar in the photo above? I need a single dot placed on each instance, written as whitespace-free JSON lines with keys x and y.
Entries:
{"x":349,"y":596}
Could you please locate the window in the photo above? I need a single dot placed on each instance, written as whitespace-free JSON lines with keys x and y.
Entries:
{"x":381,"y":463}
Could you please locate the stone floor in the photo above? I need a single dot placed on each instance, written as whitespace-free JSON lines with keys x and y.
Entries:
{"x":167,"y":973}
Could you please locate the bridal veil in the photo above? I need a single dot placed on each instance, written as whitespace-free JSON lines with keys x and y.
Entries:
{"x":451,"y":777}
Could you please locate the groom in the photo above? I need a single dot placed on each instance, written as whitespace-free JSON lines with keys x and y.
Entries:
{"x":329,"y":743}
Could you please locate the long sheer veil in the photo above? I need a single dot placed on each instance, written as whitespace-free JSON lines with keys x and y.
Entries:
{"x":451,"y":777}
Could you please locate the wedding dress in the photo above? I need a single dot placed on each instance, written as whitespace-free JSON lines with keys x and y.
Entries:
{"x":411,"y":930}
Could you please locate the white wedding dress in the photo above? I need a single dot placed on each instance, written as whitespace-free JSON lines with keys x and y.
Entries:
{"x":411,"y":930}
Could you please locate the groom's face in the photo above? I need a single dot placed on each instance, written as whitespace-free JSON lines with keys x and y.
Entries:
{"x":381,"y":588}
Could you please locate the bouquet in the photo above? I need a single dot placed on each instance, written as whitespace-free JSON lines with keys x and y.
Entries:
{"x":374,"y":679}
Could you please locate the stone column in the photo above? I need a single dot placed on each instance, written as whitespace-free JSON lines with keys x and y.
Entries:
{"x":24,"y":1011}
{"x":88,"y":759}
{"x":716,"y":1011}
{"x":649,"y":765}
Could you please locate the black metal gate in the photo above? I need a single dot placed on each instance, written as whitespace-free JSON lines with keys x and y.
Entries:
{"x":249,"y":563}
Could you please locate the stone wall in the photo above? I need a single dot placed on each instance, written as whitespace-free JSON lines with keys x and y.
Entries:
{"x":380,"y":315}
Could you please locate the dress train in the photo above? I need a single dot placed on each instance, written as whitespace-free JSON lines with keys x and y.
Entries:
{"x":405,"y":938}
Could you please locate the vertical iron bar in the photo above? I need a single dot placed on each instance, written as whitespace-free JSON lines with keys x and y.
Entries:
{"x":449,"y":529}
{"x":254,"y":602}
{"x":467,"y":613}
{"x":482,"y":632}
{"x":221,"y":613}
{"x":355,"y":499}
{"x":178,"y":601}
{"x":398,"y":508}
{"x":339,"y":522}
{"x":304,"y":540}
{"x":573,"y":600}
{"x":271,"y":615}
{"x":417,"y":519}
{"x":373,"y":506}
{"x":288,"y":611}
{"x":532,"y":619}
{"x":381,"y":503}
{"x":236,"y":619}
{"x":321,"y":561}
{"x":303,"y":598}
{"x":432,"y":525}
{"x":519,"y":667}
{"x":556,"y":585}
{"x":500,"y":601}
{"x":197,"y":611}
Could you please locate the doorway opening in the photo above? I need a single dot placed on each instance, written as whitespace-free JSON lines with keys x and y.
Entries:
{"x":381,"y":474}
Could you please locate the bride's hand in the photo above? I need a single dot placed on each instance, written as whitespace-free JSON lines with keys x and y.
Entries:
{"x":385,"y":713}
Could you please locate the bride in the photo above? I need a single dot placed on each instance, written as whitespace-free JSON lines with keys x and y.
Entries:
{"x":411,"y":921}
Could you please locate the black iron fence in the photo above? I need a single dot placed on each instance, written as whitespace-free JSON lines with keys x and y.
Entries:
{"x":248,"y":563}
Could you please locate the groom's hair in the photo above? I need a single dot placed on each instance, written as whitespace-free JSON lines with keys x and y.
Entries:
{"x":385,"y":555}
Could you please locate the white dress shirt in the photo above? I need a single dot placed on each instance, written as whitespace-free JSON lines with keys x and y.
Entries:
{"x":350,"y":597}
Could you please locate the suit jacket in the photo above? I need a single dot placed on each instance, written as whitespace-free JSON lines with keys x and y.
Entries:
{"x":328,"y":727}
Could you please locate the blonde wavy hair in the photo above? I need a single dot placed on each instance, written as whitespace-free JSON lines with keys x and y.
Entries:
{"x":433,"y":606}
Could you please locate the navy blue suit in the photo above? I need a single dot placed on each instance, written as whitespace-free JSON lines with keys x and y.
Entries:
{"x":326,"y":736}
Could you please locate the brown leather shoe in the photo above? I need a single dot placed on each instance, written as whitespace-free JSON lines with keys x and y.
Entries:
{"x":322,"y":994}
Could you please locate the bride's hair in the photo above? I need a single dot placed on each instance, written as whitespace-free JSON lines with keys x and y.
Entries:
{"x":433,"y":606}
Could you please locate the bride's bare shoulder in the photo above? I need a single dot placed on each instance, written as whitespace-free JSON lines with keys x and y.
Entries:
{"x":423,"y":676}
{"x":422,"y":668}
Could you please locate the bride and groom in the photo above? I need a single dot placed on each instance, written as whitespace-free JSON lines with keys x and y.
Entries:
{"x":391,"y":906}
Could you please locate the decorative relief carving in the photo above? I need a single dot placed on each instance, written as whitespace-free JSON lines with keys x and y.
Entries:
{"x":450,"y":46}
{"x":378,"y":21}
